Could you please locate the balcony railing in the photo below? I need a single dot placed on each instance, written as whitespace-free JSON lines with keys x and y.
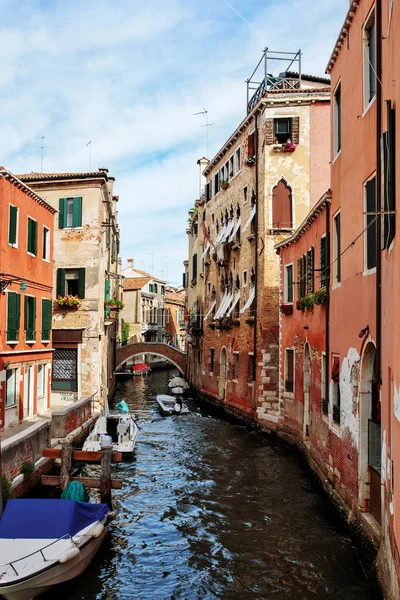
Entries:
{"x":12,"y":335}
{"x":46,"y":335}
{"x":30,"y":335}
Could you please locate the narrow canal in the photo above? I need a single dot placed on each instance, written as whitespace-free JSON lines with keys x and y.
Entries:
{"x":210,"y":510}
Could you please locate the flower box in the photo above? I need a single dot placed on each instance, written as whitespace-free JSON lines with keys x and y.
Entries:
{"x":287,"y":309}
{"x":69,"y":301}
{"x":114,"y":304}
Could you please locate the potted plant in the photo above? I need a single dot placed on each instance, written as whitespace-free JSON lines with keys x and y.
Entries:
{"x":288,"y":146}
{"x":69,"y":301}
{"x":114,"y":304}
{"x":251,"y":160}
{"x":287,"y":309}
{"x":224,"y":184}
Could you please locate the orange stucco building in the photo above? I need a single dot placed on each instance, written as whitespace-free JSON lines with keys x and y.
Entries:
{"x":26,"y":273}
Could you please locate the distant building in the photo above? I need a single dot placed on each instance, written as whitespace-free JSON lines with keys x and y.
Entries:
{"x":26,"y":279}
{"x":86,"y":246}
{"x":176,"y":317}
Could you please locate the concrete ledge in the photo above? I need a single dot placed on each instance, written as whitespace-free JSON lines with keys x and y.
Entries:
{"x":66,"y":420}
{"x":29,"y":432}
{"x":60,"y":412}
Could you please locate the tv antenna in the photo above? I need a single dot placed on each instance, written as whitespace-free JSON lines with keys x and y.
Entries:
{"x":90,"y":153}
{"x":152,"y":262}
{"x":41,"y":147}
{"x":207,"y":125}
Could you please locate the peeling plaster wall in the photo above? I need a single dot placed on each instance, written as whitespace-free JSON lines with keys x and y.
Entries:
{"x":349,"y":376}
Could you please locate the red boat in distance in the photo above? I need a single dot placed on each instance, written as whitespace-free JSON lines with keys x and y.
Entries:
{"x":141,"y":368}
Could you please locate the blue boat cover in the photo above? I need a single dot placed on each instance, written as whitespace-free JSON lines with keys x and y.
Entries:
{"x":26,"y":518}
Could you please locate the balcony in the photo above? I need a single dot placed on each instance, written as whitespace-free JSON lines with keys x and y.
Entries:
{"x":30,"y":336}
{"x":12,"y":336}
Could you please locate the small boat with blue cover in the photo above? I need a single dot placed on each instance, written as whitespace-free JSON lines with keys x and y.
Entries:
{"x":46,"y":542}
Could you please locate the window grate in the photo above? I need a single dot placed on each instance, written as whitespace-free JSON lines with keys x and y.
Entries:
{"x":65,"y":369}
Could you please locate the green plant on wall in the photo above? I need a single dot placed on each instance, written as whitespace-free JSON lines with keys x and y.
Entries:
{"x":27,"y":469}
{"x":125,"y":333}
{"x":6,"y":488}
{"x":308,"y":301}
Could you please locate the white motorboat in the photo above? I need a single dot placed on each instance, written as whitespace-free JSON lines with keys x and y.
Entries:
{"x":46,"y":542}
{"x":120,"y":427}
{"x":178,"y":386}
{"x":169,"y":405}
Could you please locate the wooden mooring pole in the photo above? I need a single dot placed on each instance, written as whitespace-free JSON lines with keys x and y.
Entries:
{"x":105,"y":476}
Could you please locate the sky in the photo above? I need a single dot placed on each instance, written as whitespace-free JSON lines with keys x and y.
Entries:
{"x":128,"y":77}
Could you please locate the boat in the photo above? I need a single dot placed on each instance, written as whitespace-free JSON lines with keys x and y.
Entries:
{"x":47,"y":542}
{"x":123,"y":375}
{"x":141,"y":369}
{"x":178,"y":385}
{"x":159,"y":364}
{"x":168,"y":405}
{"x":119,"y":425}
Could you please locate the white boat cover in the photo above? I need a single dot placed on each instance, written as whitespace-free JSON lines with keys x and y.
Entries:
{"x":250,"y":300}
{"x":177,"y":382}
{"x":251,"y":217}
{"x":213,"y":303}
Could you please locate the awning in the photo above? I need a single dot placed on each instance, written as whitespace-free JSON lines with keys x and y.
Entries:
{"x":220,"y":252}
{"x":249,"y":301}
{"x":228,"y":231}
{"x":234,"y":303}
{"x":251,"y":217}
{"x":214,"y":302}
{"x":221,"y":234}
{"x":206,"y":249}
{"x":225,"y":302}
{"x":235,"y":230}
{"x":335,"y":369}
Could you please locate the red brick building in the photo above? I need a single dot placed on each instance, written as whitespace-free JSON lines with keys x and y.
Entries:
{"x":176,"y":317}
{"x":26,"y":274}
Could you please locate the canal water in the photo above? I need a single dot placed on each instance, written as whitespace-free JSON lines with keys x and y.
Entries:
{"x":212,"y":510}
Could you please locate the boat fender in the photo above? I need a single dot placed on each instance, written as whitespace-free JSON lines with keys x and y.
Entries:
{"x":69,"y":555}
{"x":97,"y":530}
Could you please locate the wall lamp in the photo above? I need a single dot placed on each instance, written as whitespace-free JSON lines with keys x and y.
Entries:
{"x":6,"y":280}
{"x":363,"y":332}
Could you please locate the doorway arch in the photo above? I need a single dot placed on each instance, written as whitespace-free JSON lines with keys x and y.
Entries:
{"x":222,"y":374}
{"x":306,"y":390}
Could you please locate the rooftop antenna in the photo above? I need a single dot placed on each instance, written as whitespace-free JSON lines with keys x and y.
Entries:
{"x":90,"y":153}
{"x":41,"y":137}
{"x":152,"y":262}
{"x":207,"y":125}
{"x":166,"y":267}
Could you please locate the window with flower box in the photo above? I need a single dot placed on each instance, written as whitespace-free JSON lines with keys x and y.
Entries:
{"x":71,"y":282}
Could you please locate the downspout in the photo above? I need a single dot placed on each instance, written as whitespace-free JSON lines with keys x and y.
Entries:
{"x":254,"y":390}
{"x":378,"y":17}
{"x":327,"y":283}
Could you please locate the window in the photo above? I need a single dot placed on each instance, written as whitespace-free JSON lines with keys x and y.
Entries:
{"x":46,"y":244}
{"x":151,"y":288}
{"x":71,"y":282}
{"x":245,"y":195}
{"x":65,"y":372}
{"x":369,"y":60}
{"x":301,"y":276}
{"x":288,"y":284}
{"x":323,"y":385}
{"x":212,"y":353}
{"x":336,"y":389}
{"x":237,"y":161}
{"x":11,"y":385}
{"x":289,"y":369}
{"x":31,"y":246}
{"x":208,"y":191}
{"x":40,"y":381}
{"x":194,"y":266}
{"x":156,"y":288}
{"x":388,"y":158}
{"x":337,"y":120}
{"x":231,"y":167}
{"x":336,"y":250}
{"x":30,"y":318}
{"x":310,"y":270}
{"x":370,"y":223}
{"x":282,"y":206}
{"x":13,"y":226}
{"x":282,"y":130}
{"x":250,"y":368}
{"x":216,"y":183}
{"x":70,"y":212}
{"x":244,"y":278}
{"x":163,"y":290}
{"x":13,"y":316}
{"x":46,"y":320}
{"x":323,"y":263}
{"x":236,"y":365}
{"x":251,"y":145}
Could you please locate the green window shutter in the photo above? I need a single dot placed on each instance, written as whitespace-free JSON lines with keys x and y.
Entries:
{"x":33,"y":321}
{"x":46,"y":319}
{"x":151,"y":289}
{"x":62,"y":213}
{"x":11,"y":312}
{"x":12,"y":228}
{"x":107,"y":289}
{"x":26,"y":312}
{"x":60,"y":282}
{"x":29,"y":240}
{"x":81,"y":285}
{"x":17,"y":310}
{"x":77,"y":213}
{"x":34,"y":237}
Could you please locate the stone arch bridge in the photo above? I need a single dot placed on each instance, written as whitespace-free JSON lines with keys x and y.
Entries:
{"x":177,"y":357}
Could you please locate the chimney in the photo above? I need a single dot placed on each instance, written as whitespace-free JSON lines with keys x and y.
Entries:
{"x":131,"y":262}
{"x":103,"y":170}
{"x":202,"y":162}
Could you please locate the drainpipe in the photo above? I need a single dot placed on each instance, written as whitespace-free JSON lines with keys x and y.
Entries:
{"x":327,"y":283}
{"x":254,"y":390}
{"x":378,"y":18}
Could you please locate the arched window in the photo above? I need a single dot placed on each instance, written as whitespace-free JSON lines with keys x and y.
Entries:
{"x":282,"y":206}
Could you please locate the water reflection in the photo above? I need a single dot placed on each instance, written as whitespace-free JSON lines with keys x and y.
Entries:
{"x":210,"y":510}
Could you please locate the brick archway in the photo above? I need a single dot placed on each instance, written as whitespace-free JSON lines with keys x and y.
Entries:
{"x":175,"y":356}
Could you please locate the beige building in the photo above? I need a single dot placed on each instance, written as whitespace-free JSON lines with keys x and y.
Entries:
{"x":86,"y":280}
{"x":259,"y":187}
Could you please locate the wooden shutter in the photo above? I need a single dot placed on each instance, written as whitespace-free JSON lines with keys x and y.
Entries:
{"x":29,"y":313}
{"x":282,"y":206}
{"x":46,"y":317}
{"x":11,"y":312}
{"x":370,"y":187}
{"x":12,"y":228}
{"x":296,"y":130}
{"x":77,"y":213}
{"x":269,"y":131}
{"x":322,"y":262}
{"x":26,"y":313}
{"x":194,"y":266}
{"x":60,"y":282}
{"x":62,"y":213}
{"x":107,"y":289}
{"x":34,"y":237}
{"x":310,"y":270}
{"x":299,"y":263}
{"x":250,"y":145}
{"x":289,"y":272}
{"x":81,"y":283}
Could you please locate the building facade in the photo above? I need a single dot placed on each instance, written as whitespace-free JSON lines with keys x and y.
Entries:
{"x":259,"y":188}
{"x":26,"y":277}
{"x":86,"y":280}
{"x":176,"y":317}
